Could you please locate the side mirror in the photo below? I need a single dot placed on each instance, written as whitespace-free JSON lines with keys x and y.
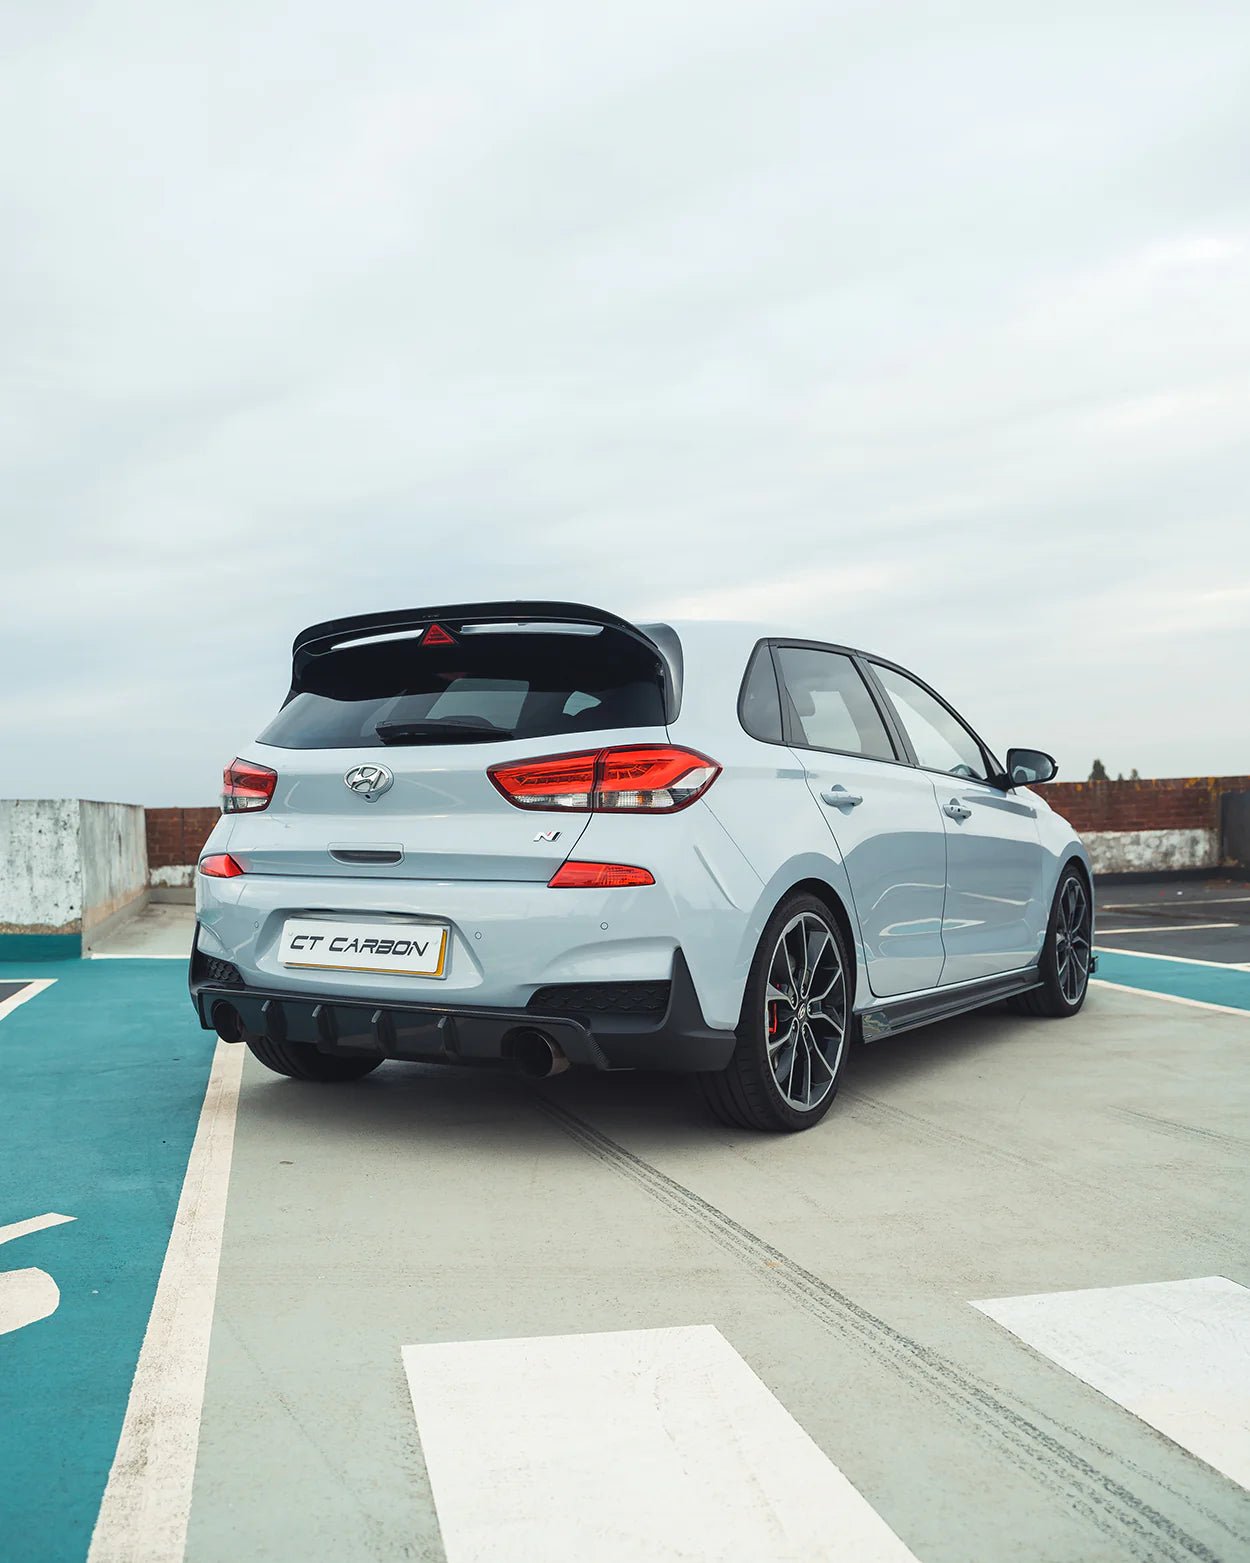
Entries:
{"x":1029,"y":767}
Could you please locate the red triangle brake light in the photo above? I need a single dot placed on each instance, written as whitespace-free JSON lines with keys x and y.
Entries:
{"x":436,"y":635}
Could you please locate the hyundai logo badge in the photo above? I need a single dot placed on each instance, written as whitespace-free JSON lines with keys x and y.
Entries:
{"x":368,"y":781}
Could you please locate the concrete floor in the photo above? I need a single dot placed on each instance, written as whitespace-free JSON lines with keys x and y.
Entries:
{"x":990,"y":1157}
{"x":159,"y":930}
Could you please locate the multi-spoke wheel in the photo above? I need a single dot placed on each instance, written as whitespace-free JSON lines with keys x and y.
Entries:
{"x":1067,"y":956}
{"x":795,"y":1026}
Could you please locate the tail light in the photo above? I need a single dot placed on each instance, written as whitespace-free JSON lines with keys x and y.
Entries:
{"x":598,"y":876}
{"x":247,"y":787}
{"x":220,"y":865}
{"x":641,"y":779}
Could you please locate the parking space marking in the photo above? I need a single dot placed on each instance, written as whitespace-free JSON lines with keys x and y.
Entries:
{"x":27,"y":989}
{"x":632,"y":1445}
{"x":1155,"y":955}
{"x":1197,"y":900}
{"x":1168,"y":998}
{"x":1174,"y":1353}
{"x":1165,"y":928}
{"x":143,"y":1516}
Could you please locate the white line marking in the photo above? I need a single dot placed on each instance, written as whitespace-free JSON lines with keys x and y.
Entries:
{"x":1154,"y":955}
{"x":32,"y":1224}
{"x":143,"y":1517}
{"x":639,"y":1445}
{"x":33,"y":986}
{"x":1170,"y":998}
{"x":1167,"y":928}
{"x":1174,"y":1353}
{"x":147,"y":955}
{"x":1153,"y":906}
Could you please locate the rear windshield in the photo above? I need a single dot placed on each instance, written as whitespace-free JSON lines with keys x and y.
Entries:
{"x":483,"y":689}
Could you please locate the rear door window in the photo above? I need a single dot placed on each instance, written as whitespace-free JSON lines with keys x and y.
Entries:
{"x":830,"y":704}
{"x":482,"y":688}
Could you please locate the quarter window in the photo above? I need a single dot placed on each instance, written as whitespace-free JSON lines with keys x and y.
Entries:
{"x":940,"y":739}
{"x":830,"y":704}
{"x":761,"y":704}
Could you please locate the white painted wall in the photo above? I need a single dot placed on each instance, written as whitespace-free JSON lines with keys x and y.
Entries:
{"x":174,"y":876}
{"x":1151,"y":851}
{"x":113,"y":851}
{"x":40,"y":880}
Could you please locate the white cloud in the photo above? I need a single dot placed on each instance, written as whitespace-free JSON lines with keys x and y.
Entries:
{"x":932,"y":336}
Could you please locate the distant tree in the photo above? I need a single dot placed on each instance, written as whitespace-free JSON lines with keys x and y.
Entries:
{"x":1133,"y":776}
{"x":1099,"y":772}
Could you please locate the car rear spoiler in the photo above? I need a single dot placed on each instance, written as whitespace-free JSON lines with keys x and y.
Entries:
{"x":319,"y":639}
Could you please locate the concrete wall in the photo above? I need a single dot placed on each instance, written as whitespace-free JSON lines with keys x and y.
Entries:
{"x":112,"y":845}
{"x":67,"y":867}
{"x":40,"y":881}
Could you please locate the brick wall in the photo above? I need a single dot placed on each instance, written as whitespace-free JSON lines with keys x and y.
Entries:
{"x":176,"y":836}
{"x":1166,"y":803}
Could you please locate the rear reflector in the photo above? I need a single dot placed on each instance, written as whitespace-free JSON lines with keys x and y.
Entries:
{"x":247,"y":786}
{"x":598,"y":876}
{"x":641,"y":779}
{"x":220,"y":865}
{"x":436,"y":635}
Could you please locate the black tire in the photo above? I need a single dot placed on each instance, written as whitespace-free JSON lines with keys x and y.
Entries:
{"x":747,"y":1094}
{"x":302,"y":1061}
{"x":1066,"y":955}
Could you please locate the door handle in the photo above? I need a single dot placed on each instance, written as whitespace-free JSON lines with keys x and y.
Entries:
{"x":956,"y":809}
{"x":840,"y":798}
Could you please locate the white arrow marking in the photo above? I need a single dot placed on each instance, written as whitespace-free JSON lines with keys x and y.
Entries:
{"x":34,"y":1224}
{"x":26,"y":1296}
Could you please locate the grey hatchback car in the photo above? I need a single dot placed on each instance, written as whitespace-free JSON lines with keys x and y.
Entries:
{"x":538,"y":834}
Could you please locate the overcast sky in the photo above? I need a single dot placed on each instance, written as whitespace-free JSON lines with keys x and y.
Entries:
{"x":924,"y":327}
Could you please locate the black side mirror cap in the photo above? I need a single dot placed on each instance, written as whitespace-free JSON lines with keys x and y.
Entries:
{"x":1029,"y":768}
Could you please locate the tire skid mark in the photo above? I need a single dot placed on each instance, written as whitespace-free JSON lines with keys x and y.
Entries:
{"x":1106,"y":1503}
{"x":1189,"y":1131}
{"x":1095,"y":1193}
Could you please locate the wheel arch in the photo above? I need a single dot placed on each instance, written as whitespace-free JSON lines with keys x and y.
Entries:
{"x":825,"y":892}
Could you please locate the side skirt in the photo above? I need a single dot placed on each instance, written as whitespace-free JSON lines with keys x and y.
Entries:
{"x":922,"y":1009}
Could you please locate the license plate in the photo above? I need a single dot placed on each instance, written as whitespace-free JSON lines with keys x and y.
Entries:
{"x":409,"y":949}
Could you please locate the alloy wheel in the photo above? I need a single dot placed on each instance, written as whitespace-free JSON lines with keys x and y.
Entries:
{"x":805,"y":1012}
{"x":1073,"y":940}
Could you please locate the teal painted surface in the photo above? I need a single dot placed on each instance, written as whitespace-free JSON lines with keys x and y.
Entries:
{"x":1210,"y":984}
{"x":102,"y":1077}
{"x":40,"y":946}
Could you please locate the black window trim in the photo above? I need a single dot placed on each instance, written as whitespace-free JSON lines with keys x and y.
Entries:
{"x":995,"y":777}
{"x":866,"y":663}
{"x":791,"y":736}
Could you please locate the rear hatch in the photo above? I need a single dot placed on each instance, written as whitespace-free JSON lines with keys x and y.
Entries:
{"x":383,"y":747}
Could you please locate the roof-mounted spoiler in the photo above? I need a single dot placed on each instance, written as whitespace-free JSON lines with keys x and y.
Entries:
{"x":318,"y":639}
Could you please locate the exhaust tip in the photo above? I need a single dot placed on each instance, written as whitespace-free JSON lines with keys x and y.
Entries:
{"x":535,"y":1054}
{"x":227,"y":1022}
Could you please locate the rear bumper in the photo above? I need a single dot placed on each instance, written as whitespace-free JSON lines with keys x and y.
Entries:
{"x":679,"y":1041}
